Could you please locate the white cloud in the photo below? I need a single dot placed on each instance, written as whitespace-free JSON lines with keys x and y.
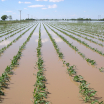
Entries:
{"x":44,"y":8}
{"x":84,"y":11}
{"x":34,"y":6}
{"x":24,"y":2}
{"x":52,"y":6}
{"x":55,"y":0}
{"x":4,"y":43}
{"x":41,"y":0}
{"x":2,"y":0}
{"x":45,"y":40}
{"x":58,"y":40}
{"x":20,"y":2}
{"x":8,"y":11}
{"x":25,"y":8}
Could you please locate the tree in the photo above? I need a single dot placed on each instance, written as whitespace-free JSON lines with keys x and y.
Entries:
{"x":4,"y":17}
{"x":10,"y":17}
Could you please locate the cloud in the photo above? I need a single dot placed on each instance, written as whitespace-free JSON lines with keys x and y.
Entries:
{"x":25,"y":8}
{"x":44,"y":8}
{"x":52,"y":6}
{"x":2,"y":0}
{"x":84,"y":11}
{"x":45,"y":40}
{"x":58,"y":40}
{"x":24,"y":2}
{"x":35,"y":6}
{"x":55,"y":0}
{"x":20,"y":2}
{"x":41,"y":0}
{"x":8,"y":11}
{"x":4,"y":43}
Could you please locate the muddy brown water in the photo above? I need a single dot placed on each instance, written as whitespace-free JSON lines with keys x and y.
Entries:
{"x":90,"y":73}
{"x":61,"y":88}
{"x":11,"y":51}
{"x":22,"y":82}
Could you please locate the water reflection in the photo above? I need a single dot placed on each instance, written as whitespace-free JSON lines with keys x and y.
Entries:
{"x":5,"y":43}
{"x":57,"y":39}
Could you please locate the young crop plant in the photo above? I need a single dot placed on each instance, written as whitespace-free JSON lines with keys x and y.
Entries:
{"x":40,"y":91}
{"x":14,"y":62}
{"x":88,"y":94}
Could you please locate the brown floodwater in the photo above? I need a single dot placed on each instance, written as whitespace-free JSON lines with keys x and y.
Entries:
{"x":61,"y":87}
{"x":62,"y":90}
{"x":11,"y":51}
{"x":90,"y":73}
{"x":22,"y":82}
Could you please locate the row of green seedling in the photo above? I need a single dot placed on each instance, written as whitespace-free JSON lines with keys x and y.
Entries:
{"x":12,"y":27}
{"x":92,"y":62}
{"x":83,"y":37}
{"x":14,"y":63}
{"x":4,"y":48}
{"x":76,"y":49}
{"x":88,"y":94}
{"x":40,"y":91}
{"x":71,"y":36}
{"x":88,"y":35}
{"x":14,"y":34}
{"x":10,"y":32}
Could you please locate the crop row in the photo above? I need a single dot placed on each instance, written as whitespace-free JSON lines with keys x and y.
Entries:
{"x":83,"y":37}
{"x":40,"y":91}
{"x":13,"y":34}
{"x":83,"y":31}
{"x":87,"y":35}
{"x":10,"y":32}
{"x":88,"y":94}
{"x":14,"y":62}
{"x":4,"y":48}
{"x":90,"y":28}
{"x":71,"y":36}
{"x":76,"y":49}
{"x":92,"y":62}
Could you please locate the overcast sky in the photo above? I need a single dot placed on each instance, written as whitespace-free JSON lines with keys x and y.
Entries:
{"x":52,"y":8}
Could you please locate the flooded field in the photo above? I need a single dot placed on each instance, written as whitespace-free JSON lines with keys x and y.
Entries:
{"x":52,"y":63}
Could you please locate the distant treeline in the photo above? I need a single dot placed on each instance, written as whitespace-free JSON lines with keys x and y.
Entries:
{"x":78,"y":19}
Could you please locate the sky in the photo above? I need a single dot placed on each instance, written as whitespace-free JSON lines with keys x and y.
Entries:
{"x":52,"y":9}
